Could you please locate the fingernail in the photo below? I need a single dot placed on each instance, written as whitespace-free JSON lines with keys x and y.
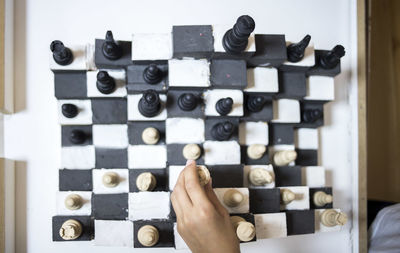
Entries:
{"x":188,"y":162}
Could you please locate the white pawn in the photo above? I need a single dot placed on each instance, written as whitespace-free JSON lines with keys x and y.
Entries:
{"x":331,"y":218}
{"x":287,"y":196}
{"x":256,"y":151}
{"x":110,"y":179}
{"x":70,"y":230}
{"x":260,"y":176}
{"x":148,"y":235}
{"x":284,"y":157}
{"x":320,"y":198}
{"x":191,"y":152}
{"x":245,"y":230}
{"x":233,"y":198}
{"x":146,"y":181}
{"x":73,"y":202}
{"x":150,"y":135}
{"x":204,"y":175}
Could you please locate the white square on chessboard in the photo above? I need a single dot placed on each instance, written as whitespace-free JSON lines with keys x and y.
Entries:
{"x":147,"y":156}
{"x":319,"y":227}
{"x":270,"y":225}
{"x":86,"y":208}
{"x":219,"y":32}
{"x":306,"y":138}
{"x":301,"y":201}
{"x":119,"y":78}
{"x":184,"y":130}
{"x":262,"y":79}
{"x":110,"y":136}
{"x":253,"y":133}
{"x":313,"y":176}
{"x":320,"y":88}
{"x":84,"y":116}
{"x":211,"y":98}
{"x":246,"y":172}
{"x":78,"y":157}
{"x":188,"y":73}
{"x":273,"y":149}
{"x":100,"y":188}
{"x":151,"y":46}
{"x":286,"y":111}
{"x":134,"y":113}
{"x":80,"y":58}
{"x":149,"y":205}
{"x":117,"y":233}
{"x":173,"y":174}
{"x":242,"y":208}
{"x":308,"y":59}
{"x":221,"y":152}
{"x":179,"y":242}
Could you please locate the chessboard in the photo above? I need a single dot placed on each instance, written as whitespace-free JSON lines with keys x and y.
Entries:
{"x":246,"y":106}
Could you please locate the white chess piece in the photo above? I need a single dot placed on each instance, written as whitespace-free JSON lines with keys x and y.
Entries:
{"x":73,"y":202}
{"x":148,"y":235}
{"x":260,"y":176}
{"x":204,"y":175}
{"x":146,"y":181}
{"x":110,"y":179}
{"x":233,"y":198}
{"x":150,"y":135}
{"x":191,"y":151}
{"x":331,"y":218}
{"x":284,"y":157}
{"x":320,"y":198}
{"x":245,"y":230}
{"x":256,"y":151}
{"x":287,"y":196}
{"x":70,"y":230}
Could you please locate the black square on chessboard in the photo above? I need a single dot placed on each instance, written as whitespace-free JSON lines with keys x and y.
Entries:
{"x":327,"y":190}
{"x":102,"y":62}
{"x":212,"y":121}
{"x":228,"y":74}
{"x":307,"y":157}
{"x":75,"y":180}
{"x":159,"y":174}
{"x":317,"y":70}
{"x":109,"y":110}
{"x":173,"y":110}
{"x":70,"y":84}
{"x":66,"y":131}
{"x":270,"y":50}
{"x":264,"y":200}
{"x":287,"y":176}
{"x":193,"y":41}
{"x":110,"y":206}
{"x":311,"y":105}
{"x":281,"y":134}
{"x":111,"y":158}
{"x":226,"y":175}
{"x":249,"y":217}
{"x":175,"y":155}
{"x":292,"y":84}
{"x":136,"y":83}
{"x":248,"y":161}
{"x":135,"y":130}
{"x":300,"y":222}
{"x":266,"y":114}
{"x":165,"y":229}
{"x":85,"y":221}
{"x":172,"y":214}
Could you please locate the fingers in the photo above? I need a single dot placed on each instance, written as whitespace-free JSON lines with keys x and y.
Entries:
{"x":213,"y":198}
{"x":179,"y":197}
{"x":192,"y":185}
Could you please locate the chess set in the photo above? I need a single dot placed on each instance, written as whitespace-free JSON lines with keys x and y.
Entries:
{"x":245,"y":106}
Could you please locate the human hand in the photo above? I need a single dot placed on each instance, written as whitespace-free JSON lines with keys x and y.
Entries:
{"x":202,"y":221}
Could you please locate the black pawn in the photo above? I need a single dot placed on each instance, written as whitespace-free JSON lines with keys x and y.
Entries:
{"x":105,"y":83}
{"x":152,"y":74}
{"x":295,"y":51}
{"x":332,"y":58}
{"x":187,"y":101}
{"x":235,"y":40}
{"x":149,"y":104}
{"x":77,"y":136}
{"x":61,"y":54}
{"x":224,"y":106}
{"x":69,"y":110}
{"x":111,"y":50}
{"x":222,"y":131}
{"x":255,"y":103}
{"x":311,"y":115}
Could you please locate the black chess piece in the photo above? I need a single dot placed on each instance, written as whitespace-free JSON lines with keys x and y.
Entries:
{"x":255,"y":103}
{"x":111,"y":50}
{"x":61,"y":54}
{"x":295,"y":51}
{"x":77,"y":136}
{"x":187,"y":101}
{"x":149,"y":104}
{"x":224,"y":106}
{"x":69,"y":110}
{"x":222,"y":131}
{"x":311,"y":115}
{"x":331,"y":59}
{"x":105,"y":83}
{"x":235,"y":40}
{"x":152,"y":74}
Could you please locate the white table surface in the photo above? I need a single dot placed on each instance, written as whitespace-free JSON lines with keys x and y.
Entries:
{"x":32,"y":135}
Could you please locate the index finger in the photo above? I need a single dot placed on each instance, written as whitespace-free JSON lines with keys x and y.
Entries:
{"x":192,"y":184}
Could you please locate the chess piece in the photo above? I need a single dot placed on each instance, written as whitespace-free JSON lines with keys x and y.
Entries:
{"x":255,"y":103}
{"x":77,"y":136}
{"x":295,"y":51}
{"x":331,"y":218}
{"x":260,"y":176}
{"x":256,"y":151}
{"x":150,"y":135}
{"x":222,"y":131}
{"x":105,"y":83}
{"x":235,"y":40}
{"x":187,"y":101}
{"x":191,"y":151}
{"x":148,"y":235}
{"x":62,"y":55}
{"x":331,"y":59}
{"x":224,"y":106}
{"x":149,"y":104}
{"x":73,"y":202}
{"x":287,"y":196}
{"x":111,"y":50}
{"x":311,"y":115}
{"x":146,"y":181}
{"x":70,"y":230}
{"x":245,"y":231}
{"x":233,"y":198}
{"x":110,"y":179}
{"x":284,"y":157}
{"x":69,"y":110}
{"x":320,"y":198}
{"x":204,"y":175}
{"x":152,"y":74}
